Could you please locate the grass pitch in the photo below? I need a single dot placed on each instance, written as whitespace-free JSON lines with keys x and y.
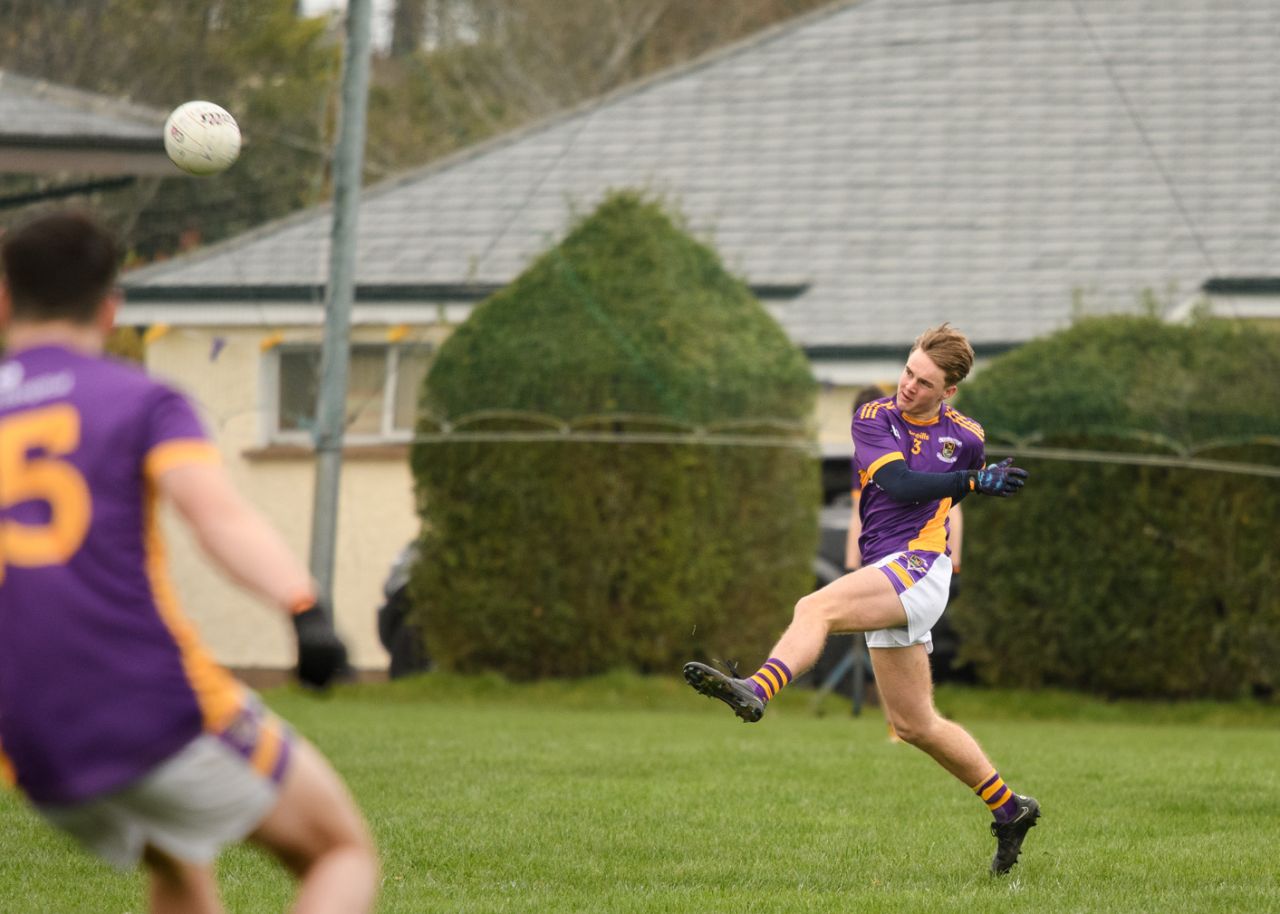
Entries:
{"x":630,"y":795}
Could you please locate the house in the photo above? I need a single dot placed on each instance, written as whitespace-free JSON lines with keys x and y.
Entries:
{"x":871,"y":169}
{"x":51,"y":129}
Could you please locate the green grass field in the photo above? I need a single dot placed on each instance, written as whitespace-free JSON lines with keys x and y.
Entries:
{"x":630,"y":795}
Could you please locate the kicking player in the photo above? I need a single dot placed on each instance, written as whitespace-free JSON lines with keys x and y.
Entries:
{"x":114,"y":720}
{"x":915,"y":457}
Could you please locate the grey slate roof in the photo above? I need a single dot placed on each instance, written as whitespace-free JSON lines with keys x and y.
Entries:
{"x":909,"y":161}
{"x":40,"y":120}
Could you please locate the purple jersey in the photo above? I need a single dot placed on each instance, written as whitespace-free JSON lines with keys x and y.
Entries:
{"x":950,"y":441}
{"x":101,"y":677}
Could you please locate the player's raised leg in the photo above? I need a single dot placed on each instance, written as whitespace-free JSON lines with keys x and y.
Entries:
{"x":905,"y":684}
{"x":316,"y":831}
{"x":861,"y":601}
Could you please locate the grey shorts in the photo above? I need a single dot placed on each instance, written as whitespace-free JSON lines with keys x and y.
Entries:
{"x":189,"y":806}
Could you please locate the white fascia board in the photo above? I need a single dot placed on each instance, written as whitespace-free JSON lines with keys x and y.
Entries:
{"x":856,"y":372}
{"x":1244,"y":307}
{"x":285,"y":314}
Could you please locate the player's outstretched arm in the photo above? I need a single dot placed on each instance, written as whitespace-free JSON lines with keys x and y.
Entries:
{"x":1000,"y":479}
{"x":901,"y":484}
{"x":240,"y":541}
{"x":235,"y":535}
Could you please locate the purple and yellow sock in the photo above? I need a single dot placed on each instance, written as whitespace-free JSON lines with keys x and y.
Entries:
{"x":998,"y":797}
{"x":770,"y":678}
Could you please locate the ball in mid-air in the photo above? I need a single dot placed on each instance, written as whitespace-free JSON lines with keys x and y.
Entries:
{"x":201,"y":138}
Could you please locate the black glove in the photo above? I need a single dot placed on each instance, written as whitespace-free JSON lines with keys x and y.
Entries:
{"x":955,"y":586}
{"x":321,"y":653}
{"x":1002,"y":479}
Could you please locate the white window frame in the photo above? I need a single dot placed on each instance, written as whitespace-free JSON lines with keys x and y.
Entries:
{"x":387,"y":433}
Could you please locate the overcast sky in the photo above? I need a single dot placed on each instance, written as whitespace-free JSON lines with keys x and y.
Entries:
{"x":381,"y":24}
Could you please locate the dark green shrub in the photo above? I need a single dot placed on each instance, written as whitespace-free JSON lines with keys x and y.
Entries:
{"x":567,"y":557}
{"x":1122,"y":579}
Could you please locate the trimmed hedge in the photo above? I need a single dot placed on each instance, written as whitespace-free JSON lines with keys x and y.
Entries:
{"x":569,"y":557}
{"x":1129,"y":580}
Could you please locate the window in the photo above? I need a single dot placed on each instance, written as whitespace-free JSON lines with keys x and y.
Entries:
{"x":383,"y":382}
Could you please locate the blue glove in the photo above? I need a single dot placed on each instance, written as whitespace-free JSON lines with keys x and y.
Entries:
{"x":1002,"y":479}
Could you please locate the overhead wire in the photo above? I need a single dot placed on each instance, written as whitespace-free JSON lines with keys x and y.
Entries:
{"x":1143,"y":134}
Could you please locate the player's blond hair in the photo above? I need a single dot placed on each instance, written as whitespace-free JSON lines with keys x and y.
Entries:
{"x":949,"y":349}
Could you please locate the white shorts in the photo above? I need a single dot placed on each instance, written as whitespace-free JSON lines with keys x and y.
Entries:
{"x":923,"y":581}
{"x":189,"y":806}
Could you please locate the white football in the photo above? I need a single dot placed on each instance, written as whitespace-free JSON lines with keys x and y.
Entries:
{"x":201,"y":138}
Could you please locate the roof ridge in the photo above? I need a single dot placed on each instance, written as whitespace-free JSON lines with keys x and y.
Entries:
{"x":584,"y":108}
{"x":84,"y":100}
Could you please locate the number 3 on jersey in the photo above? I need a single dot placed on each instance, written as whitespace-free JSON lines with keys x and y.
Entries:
{"x":31,"y":469}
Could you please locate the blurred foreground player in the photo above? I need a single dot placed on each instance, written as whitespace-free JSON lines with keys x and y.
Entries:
{"x":114,"y":720}
{"x":915,"y":457}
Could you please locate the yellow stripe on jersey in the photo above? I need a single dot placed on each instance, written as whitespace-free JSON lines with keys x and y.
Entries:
{"x":266,"y":755}
{"x":217,"y":693}
{"x":901,"y":573}
{"x":934,"y":421}
{"x":179,"y":452}
{"x":933,"y":535}
{"x":887,"y":458}
{"x":872,"y":409}
{"x":965,"y":422}
{"x":975,"y":428}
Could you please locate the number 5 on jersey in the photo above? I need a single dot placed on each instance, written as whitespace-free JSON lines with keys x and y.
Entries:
{"x":32,"y":445}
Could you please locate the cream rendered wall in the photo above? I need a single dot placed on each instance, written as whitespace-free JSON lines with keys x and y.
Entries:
{"x":375,"y":513}
{"x":832,"y":416}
